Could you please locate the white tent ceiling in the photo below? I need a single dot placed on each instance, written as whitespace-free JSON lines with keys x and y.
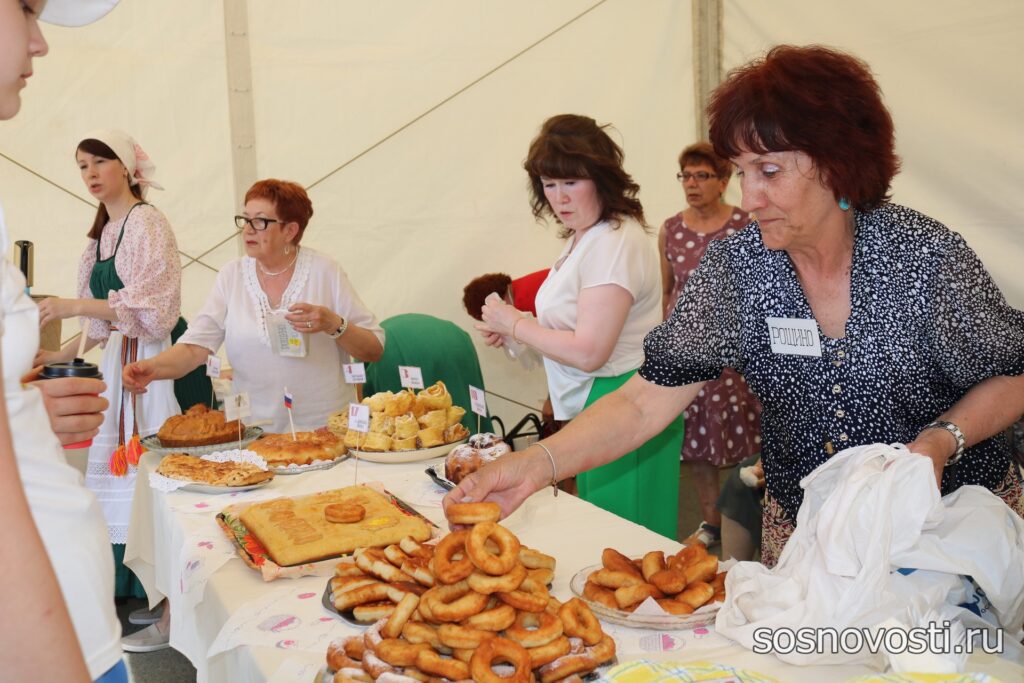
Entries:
{"x":409,"y":121}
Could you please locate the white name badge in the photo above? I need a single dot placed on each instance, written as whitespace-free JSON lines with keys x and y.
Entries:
{"x":477,"y":401}
{"x":794,"y":336}
{"x":359,"y":417}
{"x":284,"y":339}
{"x":355,"y":373}
{"x":410,"y":376}
{"x":237,"y":407}
{"x":212,"y":366}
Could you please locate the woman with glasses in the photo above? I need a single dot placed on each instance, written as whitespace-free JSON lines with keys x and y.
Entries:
{"x":853,"y":319}
{"x":595,"y":306}
{"x":723,"y":424}
{"x":286,"y":314}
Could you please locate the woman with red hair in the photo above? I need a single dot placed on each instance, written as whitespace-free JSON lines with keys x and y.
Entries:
{"x":854,"y":320}
{"x":278,"y":290}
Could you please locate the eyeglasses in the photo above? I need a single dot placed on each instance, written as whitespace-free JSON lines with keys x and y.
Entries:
{"x":701,"y":176}
{"x":259,"y":223}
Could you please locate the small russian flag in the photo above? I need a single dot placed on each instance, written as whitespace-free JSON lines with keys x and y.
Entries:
{"x":288,"y":399}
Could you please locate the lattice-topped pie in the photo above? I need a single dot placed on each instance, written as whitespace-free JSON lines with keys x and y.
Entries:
{"x":198,"y":426}
{"x":191,"y":468}
{"x":281,"y":450}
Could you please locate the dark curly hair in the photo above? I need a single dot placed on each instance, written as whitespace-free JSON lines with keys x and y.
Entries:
{"x":480,"y":288}
{"x":815,"y":100}
{"x":574,"y":146}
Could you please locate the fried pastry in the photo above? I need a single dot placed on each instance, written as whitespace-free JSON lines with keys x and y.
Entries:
{"x":436,"y":397}
{"x":376,"y":442}
{"x":399,"y":404}
{"x":435,"y":418}
{"x":407,"y":444}
{"x":406,"y":426}
{"x":433,"y":436}
{"x":455,"y":415}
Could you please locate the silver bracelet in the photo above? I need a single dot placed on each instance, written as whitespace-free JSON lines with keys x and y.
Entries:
{"x":554,"y":470}
{"x":957,"y":434}
{"x":341,"y":329}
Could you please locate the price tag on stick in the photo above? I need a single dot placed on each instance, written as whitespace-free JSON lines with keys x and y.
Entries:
{"x":355,"y":373}
{"x":477,"y":401}
{"x":213,"y":366}
{"x":411,"y":376}
{"x":358,"y":420}
{"x":237,"y":407}
{"x":478,"y":404}
{"x":359,"y":417}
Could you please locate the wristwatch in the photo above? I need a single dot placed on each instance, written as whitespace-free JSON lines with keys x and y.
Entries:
{"x":957,"y":434}
{"x":340,"y":331}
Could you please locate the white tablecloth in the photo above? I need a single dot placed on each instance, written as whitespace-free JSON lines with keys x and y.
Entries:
{"x":178,"y":552}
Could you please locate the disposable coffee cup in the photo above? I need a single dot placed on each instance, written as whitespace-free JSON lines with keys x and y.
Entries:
{"x":76,"y":368}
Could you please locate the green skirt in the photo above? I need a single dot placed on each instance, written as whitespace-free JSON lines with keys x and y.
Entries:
{"x":643,"y":485}
{"x":126,"y":584}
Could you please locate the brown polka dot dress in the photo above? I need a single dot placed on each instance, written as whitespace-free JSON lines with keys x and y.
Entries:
{"x":723,"y":424}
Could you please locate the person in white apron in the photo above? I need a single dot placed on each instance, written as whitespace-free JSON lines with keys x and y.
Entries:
{"x":129,"y":290}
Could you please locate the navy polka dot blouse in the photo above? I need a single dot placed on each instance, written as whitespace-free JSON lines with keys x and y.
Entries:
{"x":926,"y":324}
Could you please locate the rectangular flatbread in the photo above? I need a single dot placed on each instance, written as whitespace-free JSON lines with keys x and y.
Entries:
{"x":296,"y":530}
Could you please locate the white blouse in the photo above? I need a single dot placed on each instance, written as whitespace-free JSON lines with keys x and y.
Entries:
{"x":235,"y":315}
{"x":66,"y":513}
{"x":602,"y":256}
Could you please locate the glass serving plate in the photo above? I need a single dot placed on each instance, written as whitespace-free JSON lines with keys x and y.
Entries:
{"x":152,"y":443}
{"x":206,"y":488}
{"x":315,"y":465}
{"x":704,"y":616}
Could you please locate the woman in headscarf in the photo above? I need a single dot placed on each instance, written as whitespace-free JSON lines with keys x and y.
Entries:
{"x":129,"y":293}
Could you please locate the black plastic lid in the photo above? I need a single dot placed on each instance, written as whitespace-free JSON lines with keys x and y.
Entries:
{"x":76,"y":368}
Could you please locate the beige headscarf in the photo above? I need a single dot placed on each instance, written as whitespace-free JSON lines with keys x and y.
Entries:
{"x":140,"y":168}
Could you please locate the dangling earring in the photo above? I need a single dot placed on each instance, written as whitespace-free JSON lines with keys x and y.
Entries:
{"x":844,"y":203}
{"x":287,"y":249}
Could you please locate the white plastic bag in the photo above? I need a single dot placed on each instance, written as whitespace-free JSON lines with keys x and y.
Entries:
{"x":868,"y":512}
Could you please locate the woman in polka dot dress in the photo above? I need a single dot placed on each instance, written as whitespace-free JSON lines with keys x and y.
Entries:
{"x":723,"y":424}
{"x":854,"y":320}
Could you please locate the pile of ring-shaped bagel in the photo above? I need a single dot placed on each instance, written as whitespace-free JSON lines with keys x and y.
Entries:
{"x":475,"y":607}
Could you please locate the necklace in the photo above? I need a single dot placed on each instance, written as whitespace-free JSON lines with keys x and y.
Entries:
{"x":285,"y":269}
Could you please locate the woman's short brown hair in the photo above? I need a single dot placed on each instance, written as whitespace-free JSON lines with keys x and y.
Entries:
{"x":574,"y":146}
{"x":815,"y":100}
{"x":289,"y":199}
{"x":703,"y":153}
{"x":478,"y":289}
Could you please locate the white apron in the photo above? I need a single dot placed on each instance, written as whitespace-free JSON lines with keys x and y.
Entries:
{"x":151,"y":410}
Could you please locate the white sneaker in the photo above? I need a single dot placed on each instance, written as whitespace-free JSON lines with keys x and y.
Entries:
{"x":149,"y":639}
{"x":144,"y":616}
{"x":706,"y":534}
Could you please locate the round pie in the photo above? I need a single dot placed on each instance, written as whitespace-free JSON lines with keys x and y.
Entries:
{"x":281,"y":450}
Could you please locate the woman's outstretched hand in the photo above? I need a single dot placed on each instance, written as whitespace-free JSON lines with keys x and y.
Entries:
{"x":508,"y":481}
